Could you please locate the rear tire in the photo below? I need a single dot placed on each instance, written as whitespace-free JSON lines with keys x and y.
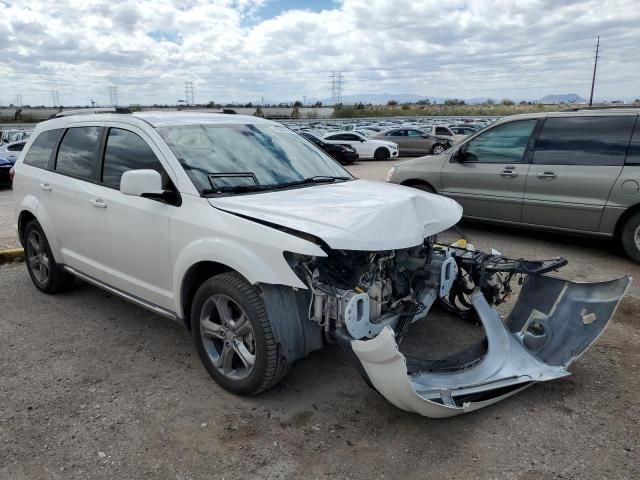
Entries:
{"x":233,"y":336}
{"x":382,"y":154}
{"x":45,"y":273}
{"x":630,"y":237}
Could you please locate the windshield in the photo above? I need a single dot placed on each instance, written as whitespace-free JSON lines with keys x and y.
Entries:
{"x":227,"y":155}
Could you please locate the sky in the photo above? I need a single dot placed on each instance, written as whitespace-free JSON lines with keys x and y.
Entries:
{"x":285,"y":50}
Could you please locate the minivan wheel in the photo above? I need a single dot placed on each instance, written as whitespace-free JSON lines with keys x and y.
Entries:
{"x":382,"y":154}
{"x":630,"y":237}
{"x":45,"y":273}
{"x":233,"y":335}
{"x":437,"y":149}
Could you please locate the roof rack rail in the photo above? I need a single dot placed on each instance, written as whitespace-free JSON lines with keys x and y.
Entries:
{"x":602,"y":107}
{"x":90,"y":111}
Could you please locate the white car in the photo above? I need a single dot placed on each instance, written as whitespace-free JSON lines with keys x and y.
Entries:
{"x":367,"y":148}
{"x":266,"y":249}
{"x":12,"y":150}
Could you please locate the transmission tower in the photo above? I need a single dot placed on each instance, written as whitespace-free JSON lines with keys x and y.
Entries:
{"x":56,"y":98}
{"x":188,"y":93}
{"x":113,"y":95}
{"x":595,"y":66}
{"x":19,"y":100}
{"x":336,"y":87}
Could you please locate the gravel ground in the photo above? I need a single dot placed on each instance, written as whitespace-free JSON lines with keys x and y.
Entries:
{"x":93,"y":387}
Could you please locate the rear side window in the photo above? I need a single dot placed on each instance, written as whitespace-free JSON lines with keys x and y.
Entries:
{"x":77,"y":152}
{"x":577,"y":140}
{"x":633,"y":155}
{"x":442,"y":131}
{"x":40,"y":151}
{"x":126,"y":151}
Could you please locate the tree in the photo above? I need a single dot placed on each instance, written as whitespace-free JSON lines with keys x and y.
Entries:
{"x":426,"y":101}
{"x":248,"y":105}
{"x":295,"y":113}
{"x":360,"y":106}
{"x":506,"y":101}
{"x":297,"y":103}
{"x":490,"y":101}
{"x":317,"y":104}
{"x":392,"y":103}
{"x":259,"y":112}
{"x":454,"y":101}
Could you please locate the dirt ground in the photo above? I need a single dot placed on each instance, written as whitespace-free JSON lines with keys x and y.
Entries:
{"x":93,"y":387}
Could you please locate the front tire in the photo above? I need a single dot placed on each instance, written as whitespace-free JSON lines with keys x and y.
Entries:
{"x":437,"y":149}
{"x":233,"y":336}
{"x":630,"y":237}
{"x":382,"y":154}
{"x":45,"y":273}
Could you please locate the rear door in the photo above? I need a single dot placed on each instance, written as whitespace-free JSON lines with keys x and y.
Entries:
{"x":66,"y":195}
{"x":489,"y":182}
{"x":399,"y":137}
{"x":576,"y":162}
{"x":416,"y":142}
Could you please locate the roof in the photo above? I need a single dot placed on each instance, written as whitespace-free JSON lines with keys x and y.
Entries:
{"x":155,"y":119}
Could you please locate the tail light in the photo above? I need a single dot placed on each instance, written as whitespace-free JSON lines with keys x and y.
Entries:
{"x":12,"y":173}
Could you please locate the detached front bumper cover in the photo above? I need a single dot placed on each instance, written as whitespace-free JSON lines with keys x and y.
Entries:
{"x":553,"y":322}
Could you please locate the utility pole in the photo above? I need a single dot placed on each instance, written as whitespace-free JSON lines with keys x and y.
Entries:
{"x":188,"y":93}
{"x":113,"y":95}
{"x":56,"y":98}
{"x":336,"y":87}
{"x":595,"y":66}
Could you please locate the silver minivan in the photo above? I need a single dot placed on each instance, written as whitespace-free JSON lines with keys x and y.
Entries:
{"x":575,"y":171}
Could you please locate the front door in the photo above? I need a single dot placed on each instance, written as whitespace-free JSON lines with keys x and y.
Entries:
{"x":488,"y":179}
{"x":132,"y":232}
{"x":576,"y":162}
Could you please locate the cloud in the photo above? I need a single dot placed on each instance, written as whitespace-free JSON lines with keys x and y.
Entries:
{"x":231,"y":52}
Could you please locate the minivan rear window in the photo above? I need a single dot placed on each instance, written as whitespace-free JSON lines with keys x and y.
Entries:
{"x":582,"y":140}
{"x":77,"y":152}
{"x":40,"y":151}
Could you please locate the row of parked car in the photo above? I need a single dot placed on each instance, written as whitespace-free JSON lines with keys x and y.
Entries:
{"x":383,"y":140}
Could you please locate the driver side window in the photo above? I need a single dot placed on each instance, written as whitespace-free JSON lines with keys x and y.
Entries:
{"x":502,"y":144}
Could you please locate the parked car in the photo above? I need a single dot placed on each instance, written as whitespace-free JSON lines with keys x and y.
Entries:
{"x":10,"y":151}
{"x":577,"y":172}
{"x":412,"y":141}
{"x":367,"y":148}
{"x":266,"y":248}
{"x":345,"y":154}
{"x":5,"y":171}
{"x":14,"y":134}
{"x":464,"y":131}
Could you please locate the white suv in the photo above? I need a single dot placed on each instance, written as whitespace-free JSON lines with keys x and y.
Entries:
{"x":266,"y":248}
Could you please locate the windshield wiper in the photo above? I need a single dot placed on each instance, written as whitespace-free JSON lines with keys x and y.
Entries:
{"x":316,"y":179}
{"x":262,"y":188}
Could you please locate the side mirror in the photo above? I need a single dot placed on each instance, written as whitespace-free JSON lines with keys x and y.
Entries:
{"x":139,"y":182}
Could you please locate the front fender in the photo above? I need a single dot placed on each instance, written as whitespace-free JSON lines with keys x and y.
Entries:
{"x":265,"y":265}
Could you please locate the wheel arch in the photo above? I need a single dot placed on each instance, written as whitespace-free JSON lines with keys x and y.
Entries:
{"x":25,"y":217}
{"x":412,"y":182}
{"x":195,"y":276}
{"x":626,"y":215}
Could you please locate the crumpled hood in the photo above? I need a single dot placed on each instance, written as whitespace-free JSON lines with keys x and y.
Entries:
{"x":355,"y":215}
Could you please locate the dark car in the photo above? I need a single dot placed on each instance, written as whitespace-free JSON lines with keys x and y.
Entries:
{"x":345,"y":154}
{"x":5,"y":168}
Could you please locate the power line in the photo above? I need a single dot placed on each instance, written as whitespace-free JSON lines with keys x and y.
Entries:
{"x":113,"y":95}
{"x":336,"y":87}
{"x":188,"y":93}
{"x":595,"y":66}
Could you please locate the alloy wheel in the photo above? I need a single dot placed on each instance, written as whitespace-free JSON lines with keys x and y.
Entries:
{"x":228,"y":337}
{"x":37,"y":256}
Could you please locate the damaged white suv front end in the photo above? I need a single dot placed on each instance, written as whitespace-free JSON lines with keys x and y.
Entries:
{"x":370,"y":300}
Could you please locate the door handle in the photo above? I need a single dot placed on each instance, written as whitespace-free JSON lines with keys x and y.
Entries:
{"x":546,"y":175}
{"x":98,"y":203}
{"x":509,"y":173}
{"x":46,"y":187}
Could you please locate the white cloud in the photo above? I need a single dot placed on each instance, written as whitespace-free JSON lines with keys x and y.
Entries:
{"x":148,"y":49}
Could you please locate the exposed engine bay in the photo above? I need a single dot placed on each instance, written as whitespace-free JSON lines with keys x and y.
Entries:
{"x":367,"y":300}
